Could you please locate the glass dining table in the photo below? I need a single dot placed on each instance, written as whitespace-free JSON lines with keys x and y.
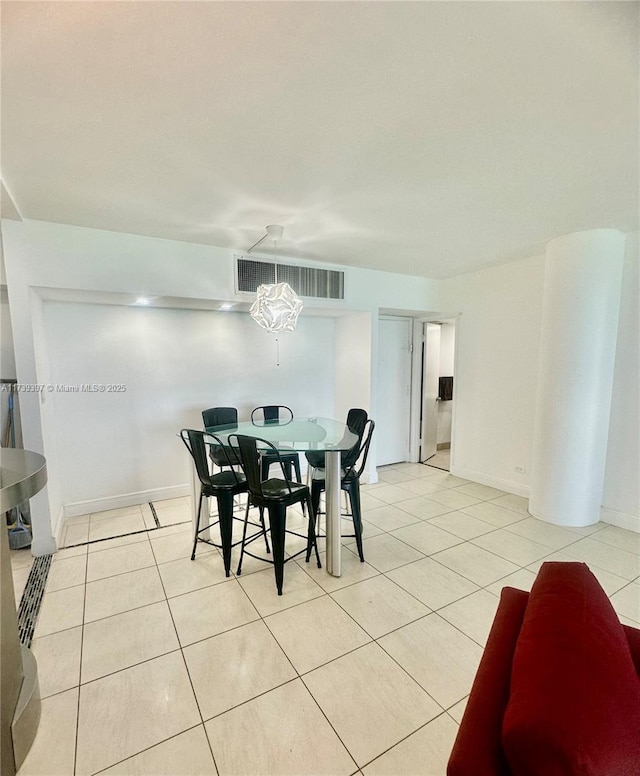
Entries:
{"x":302,"y":435}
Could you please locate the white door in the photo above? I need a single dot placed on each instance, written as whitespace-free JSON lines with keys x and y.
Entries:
{"x":430,"y":375}
{"x":394,"y":390}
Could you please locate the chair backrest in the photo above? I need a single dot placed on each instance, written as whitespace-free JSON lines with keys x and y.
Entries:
{"x":356,"y":423}
{"x":357,"y":467}
{"x":356,"y":418}
{"x":195,"y":444}
{"x":249,"y":456}
{"x":220,"y":416}
{"x":272,"y":413}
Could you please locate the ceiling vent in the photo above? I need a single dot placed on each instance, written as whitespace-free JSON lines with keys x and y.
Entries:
{"x":311,"y":282}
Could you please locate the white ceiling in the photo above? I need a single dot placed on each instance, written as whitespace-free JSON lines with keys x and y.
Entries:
{"x":429,"y":138}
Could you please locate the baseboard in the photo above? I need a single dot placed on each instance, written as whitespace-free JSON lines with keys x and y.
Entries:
{"x":443,"y":446}
{"x":517,"y":488}
{"x":620,"y":519}
{"x":125,"y":500}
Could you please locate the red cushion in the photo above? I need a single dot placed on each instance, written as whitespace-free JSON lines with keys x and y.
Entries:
{"x":478,"y":746}
{"x":574,"y":707}
{"x":633,"y":639}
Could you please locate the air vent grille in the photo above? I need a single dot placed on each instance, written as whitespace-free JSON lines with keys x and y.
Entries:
{"x":252,"y":273}
{"x":305,"y":281}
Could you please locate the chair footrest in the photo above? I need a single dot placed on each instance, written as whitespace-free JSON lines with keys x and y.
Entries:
{"x":269,"y":560}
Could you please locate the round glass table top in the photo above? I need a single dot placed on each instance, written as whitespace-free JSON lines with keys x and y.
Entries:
{"x":299,"y":434}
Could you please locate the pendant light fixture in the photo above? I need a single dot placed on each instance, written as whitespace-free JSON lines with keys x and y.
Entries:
{"x":277,"y":306}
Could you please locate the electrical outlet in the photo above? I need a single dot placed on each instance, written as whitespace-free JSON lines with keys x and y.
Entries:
{"x":520,"y":469}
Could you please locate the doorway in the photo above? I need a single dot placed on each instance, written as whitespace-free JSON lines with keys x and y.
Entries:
{"x":436,"y":421}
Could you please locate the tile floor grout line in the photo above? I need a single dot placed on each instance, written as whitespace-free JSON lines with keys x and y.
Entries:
{"x":132,"y":665}
{"x":181,"y":649}
{"x":333,"y":659}
{"x":338,"y":736}
{"x":444,"y":712}
{"x":77,"y":731}
{"x":468,"y":579}
{"x":406,"y":671}
{"x":393,"y":630}
{"x":253,"y":697}
{"x":148,"y":748}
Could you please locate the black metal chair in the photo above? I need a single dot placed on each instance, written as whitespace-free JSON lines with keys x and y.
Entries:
{"x":349,"y":482}
{"x":223,"y":487}
{"x":280,"y":415}
{"x":220,"y":416}
{"x":356,"y":420}
{"x":276,"y":495}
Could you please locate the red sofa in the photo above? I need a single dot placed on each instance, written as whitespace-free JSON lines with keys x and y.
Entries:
{"x":557,"y":691}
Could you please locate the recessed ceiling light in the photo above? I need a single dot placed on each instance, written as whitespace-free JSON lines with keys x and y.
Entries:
{"x":143,"y":300}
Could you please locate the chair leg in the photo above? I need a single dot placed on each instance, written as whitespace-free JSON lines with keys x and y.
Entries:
{"x":316,"y":490}
{"x":356,"y":515}
{"x":310,"y":470}
{"x":225,"y":517}
{"x":316,"y":495}
{"x":244,"y":535}
{"x":264,"y":528}
{"x":312,"y":541}
{"x":195,"y":538}
{"x":296,"y":466}
{"x":278,"y":524}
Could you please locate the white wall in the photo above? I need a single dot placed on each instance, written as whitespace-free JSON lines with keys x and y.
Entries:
{"x":353,"y":363}
{"x":353,"y":376}
{"x":447,"y":348}
{"x":173,"y":364}
{"x":7,"y":368}
{"x":496,"y":364}
{"x":497,"y":344}
{"x":7,"y":355}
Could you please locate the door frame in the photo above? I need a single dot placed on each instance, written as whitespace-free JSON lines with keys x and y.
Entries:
{"x":417,"y":368}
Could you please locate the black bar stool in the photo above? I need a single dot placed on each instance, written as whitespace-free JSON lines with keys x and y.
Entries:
{"x":276,"y":495}
{"x":279,"y":415}
{"x":353,"y":466}
{"x":223,"y":487}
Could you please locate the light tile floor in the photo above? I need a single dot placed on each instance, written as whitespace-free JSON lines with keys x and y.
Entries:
{"x":441,"y":460}
{"x":152,"y":664}
{"x":124,"y":521}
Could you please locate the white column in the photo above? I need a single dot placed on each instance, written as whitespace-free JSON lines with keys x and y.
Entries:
{"x":582,"y":285}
